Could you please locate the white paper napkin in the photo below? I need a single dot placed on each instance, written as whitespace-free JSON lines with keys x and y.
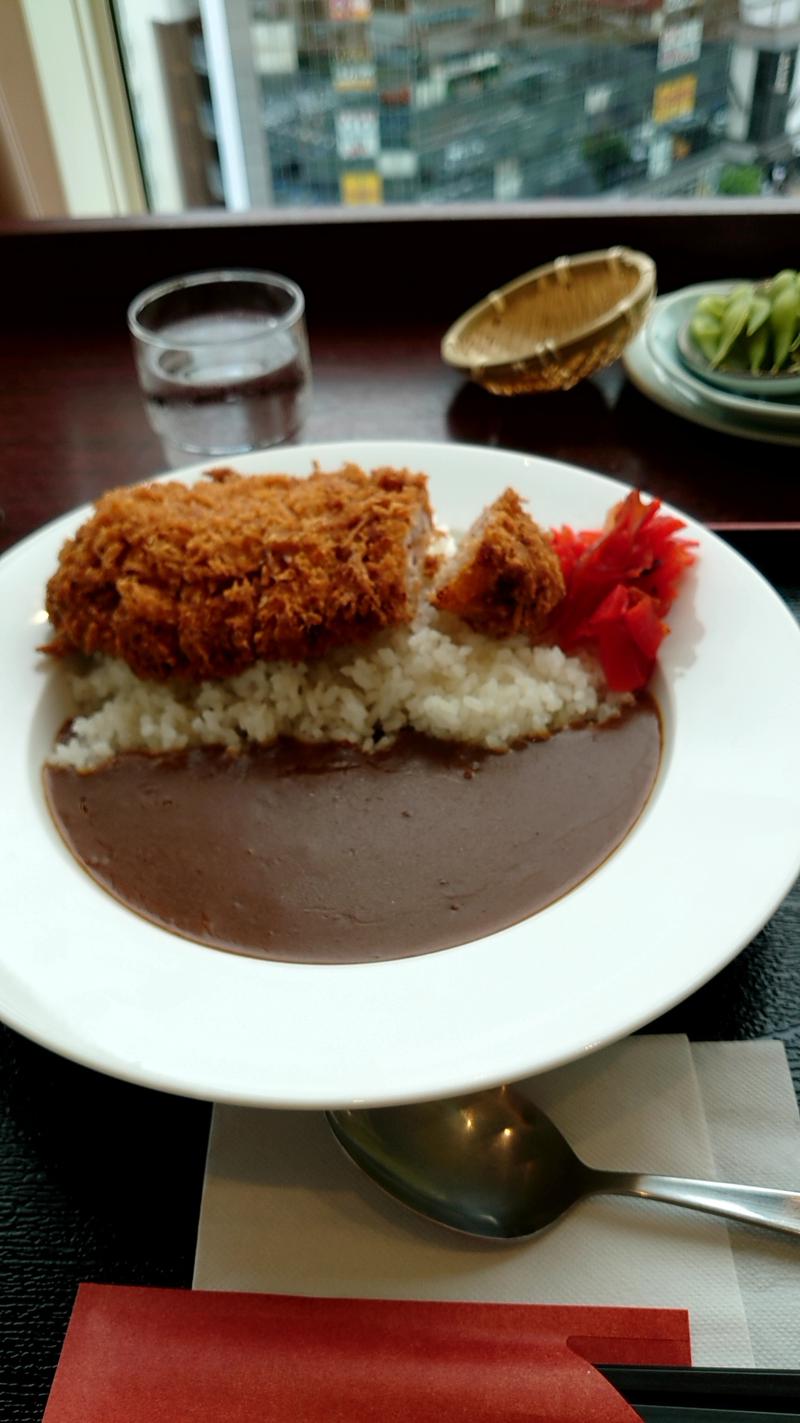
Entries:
{"x":754,"y":1125}
{"x":284,"y":1210}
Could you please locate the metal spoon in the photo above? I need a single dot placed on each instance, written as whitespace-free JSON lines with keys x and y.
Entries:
{"x":493,"y":1164}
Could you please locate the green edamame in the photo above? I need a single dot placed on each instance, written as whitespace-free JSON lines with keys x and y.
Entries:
{"x":786,"y":278}
{"x":732,"y":324}
{"x":783,"y":319}
{"x":753,"y":327}
{"x":705,"y":331}
{"x":759,"y":311}
{"x":712,"y":306}
{"x":757,"y":349}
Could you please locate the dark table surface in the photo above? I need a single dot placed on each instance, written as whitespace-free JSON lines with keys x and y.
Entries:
{"x":100,"y":1180}
{"x":72,"y":423}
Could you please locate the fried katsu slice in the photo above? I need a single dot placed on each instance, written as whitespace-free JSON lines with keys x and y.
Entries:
{"x":200,"y":581}
{"x":506,"y":577}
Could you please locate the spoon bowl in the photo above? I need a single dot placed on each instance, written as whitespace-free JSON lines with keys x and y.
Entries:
{"x":488,"y":1164}
{"x":493,"y":1164}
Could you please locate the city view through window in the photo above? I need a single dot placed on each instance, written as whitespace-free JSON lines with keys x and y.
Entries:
{"x":251,"y":103}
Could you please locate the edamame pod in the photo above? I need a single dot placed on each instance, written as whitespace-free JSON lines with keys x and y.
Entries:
{"x":783,"y":320}
{"x":705,"y":332}
{"x":712,"y":306}
{"x":757,"y":349}
{"x":759,"y":311}
{"x":783,"y":279}
{"x":733,"y":323}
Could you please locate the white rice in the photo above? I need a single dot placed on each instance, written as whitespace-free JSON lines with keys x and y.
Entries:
{"x":436,"y":676}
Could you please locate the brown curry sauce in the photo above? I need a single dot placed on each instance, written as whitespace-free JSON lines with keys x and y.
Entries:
{"x":323,"y":854}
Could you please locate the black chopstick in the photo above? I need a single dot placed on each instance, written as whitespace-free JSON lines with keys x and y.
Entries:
{"x":744,"y":1395}
{"x":656,"y":1414}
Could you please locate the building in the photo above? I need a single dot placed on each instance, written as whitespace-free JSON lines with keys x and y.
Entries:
{"x":364,"y":102}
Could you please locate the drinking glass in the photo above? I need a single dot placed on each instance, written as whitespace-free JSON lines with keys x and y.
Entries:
{"x":222,"y":360}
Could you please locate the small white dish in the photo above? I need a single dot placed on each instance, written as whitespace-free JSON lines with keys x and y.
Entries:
{"x":691,"y":400}
{"x":783,"y":386}
{"x":714,"y":853}
{"x":662,"y":335}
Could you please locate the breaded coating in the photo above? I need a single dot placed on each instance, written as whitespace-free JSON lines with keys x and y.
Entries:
{"x":201,"y":581}
{"x":506,"y":577}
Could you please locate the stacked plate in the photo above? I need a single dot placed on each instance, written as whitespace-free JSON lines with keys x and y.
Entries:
{"x":659,"y":362}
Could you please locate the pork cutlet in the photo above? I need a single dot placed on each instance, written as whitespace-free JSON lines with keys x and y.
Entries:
{"x":506,"y":577}
{"x":201,"y":581}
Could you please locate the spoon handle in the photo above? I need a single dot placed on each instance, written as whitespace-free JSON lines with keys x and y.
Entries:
{"x":755,"y":1205}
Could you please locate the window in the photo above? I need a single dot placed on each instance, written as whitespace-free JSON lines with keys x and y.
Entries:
{"x":252,"y":103}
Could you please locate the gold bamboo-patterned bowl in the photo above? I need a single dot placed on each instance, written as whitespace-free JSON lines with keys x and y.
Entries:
{"x":554,"y":326}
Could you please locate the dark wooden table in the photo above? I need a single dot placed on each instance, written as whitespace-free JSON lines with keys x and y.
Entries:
{"x":98,"y":1179}
{"x":73,"y":424}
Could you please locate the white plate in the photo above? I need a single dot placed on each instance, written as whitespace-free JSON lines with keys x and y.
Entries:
{"x":655,"y":376}
{"x":713,"y":855}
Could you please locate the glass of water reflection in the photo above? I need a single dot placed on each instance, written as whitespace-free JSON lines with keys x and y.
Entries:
{"x":222,"y":359}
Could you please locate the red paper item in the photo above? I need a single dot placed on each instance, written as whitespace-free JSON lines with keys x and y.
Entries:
{"x":181,"y":1356}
